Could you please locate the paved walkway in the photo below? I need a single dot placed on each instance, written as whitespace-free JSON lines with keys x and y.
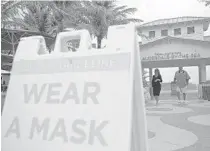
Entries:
{"x":175,"y":127}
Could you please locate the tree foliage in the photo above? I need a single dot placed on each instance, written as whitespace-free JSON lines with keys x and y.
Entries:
{"x":97,"y":16}
{"x":144,"y":78}
{"x":207,"y":2}
{"x":51,"y":17}
{"x":9,"y":9}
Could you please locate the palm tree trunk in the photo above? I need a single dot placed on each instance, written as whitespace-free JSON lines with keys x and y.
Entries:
{"x":99,"y":40}
{"x":60,"y":26}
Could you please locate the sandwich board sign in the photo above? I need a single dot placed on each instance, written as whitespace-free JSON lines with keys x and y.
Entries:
{"x":88,"y":100}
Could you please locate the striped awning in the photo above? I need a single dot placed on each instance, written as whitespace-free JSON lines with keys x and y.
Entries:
{"x":5,"y":72}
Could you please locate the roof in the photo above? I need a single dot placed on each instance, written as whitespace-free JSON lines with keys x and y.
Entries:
{"x":11,"y":37}
{"x":24,"y":31}
{"x":169,"y":38}
{"x":174,"y":21}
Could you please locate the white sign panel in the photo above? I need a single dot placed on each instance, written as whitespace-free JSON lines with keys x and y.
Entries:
{"x":77,"y":102}
{"x":175,"y":51}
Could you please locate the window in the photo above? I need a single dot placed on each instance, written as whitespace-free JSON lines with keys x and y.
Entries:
{"x":164,"y":32}
{"x":177,"y":31}
{"x":190,"y":30}
{"x":151,"y":34}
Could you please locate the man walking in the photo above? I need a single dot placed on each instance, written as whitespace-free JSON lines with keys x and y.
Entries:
{"x":181,"y":79}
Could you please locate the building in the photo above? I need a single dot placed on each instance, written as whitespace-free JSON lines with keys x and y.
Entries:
{"x":176,"y":42}
{"x":181,"y":27}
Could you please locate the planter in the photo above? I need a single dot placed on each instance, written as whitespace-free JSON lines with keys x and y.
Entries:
{"x":147,"y":94}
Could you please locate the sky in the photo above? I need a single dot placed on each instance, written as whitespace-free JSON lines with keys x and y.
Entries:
{"x":149,"y":10}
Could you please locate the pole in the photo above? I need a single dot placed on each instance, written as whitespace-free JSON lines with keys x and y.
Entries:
{"x":13,"y":45}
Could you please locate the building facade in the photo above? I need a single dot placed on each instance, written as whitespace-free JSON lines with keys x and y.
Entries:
{"x":182,"y":27}
{"x":176,"y":42}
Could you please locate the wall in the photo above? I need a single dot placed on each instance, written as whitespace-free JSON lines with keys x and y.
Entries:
{"x":197,"y":35}
{"x":176,"y":46}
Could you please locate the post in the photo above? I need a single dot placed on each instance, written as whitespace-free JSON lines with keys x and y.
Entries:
{"x":13,"y":45}
{"x":150,"y":81}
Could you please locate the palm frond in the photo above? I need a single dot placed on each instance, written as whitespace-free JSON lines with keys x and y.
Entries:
{"x":51,"y":17}
{"x":119,"y":8}
{"x":135,"y":20}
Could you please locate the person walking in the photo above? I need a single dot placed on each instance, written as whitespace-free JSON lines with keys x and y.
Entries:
{"x":156,"y":84}
{"x":181,"y":79}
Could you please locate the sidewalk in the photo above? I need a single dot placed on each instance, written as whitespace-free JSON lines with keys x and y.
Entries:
{"x":179,"y":127}
{"x":191,"y":95}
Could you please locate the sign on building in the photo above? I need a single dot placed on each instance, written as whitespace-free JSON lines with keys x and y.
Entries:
{"x":171,"y":56}
{"x":81,"y":101}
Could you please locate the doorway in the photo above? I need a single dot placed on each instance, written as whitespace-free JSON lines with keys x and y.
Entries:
{"x":168,"y":76}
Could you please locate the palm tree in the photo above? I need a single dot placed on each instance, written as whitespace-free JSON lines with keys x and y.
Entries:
{"x":144,"y":78}
{"x":59,"y":13}
{"x":34,"y":17}
{"x":8,"y":5}
{"x":26,"y":15}
{"x":46,"y":17}
{"x":8,"y":10}
{"x":97,"y":16}
{"x":52,"y":17}
{"x":207,"y":2}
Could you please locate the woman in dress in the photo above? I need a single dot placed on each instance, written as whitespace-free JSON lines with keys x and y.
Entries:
{"x":156,"y":84}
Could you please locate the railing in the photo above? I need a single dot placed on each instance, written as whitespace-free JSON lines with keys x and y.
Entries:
{"x":204,"y":91}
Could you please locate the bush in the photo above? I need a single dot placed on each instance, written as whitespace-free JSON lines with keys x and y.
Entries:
{"x":144,"y":77}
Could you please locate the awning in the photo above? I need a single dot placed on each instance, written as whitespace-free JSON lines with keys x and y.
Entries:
{"x":9,"y":41}
{"x":11,"y":37}
{"x":5,"y":72}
